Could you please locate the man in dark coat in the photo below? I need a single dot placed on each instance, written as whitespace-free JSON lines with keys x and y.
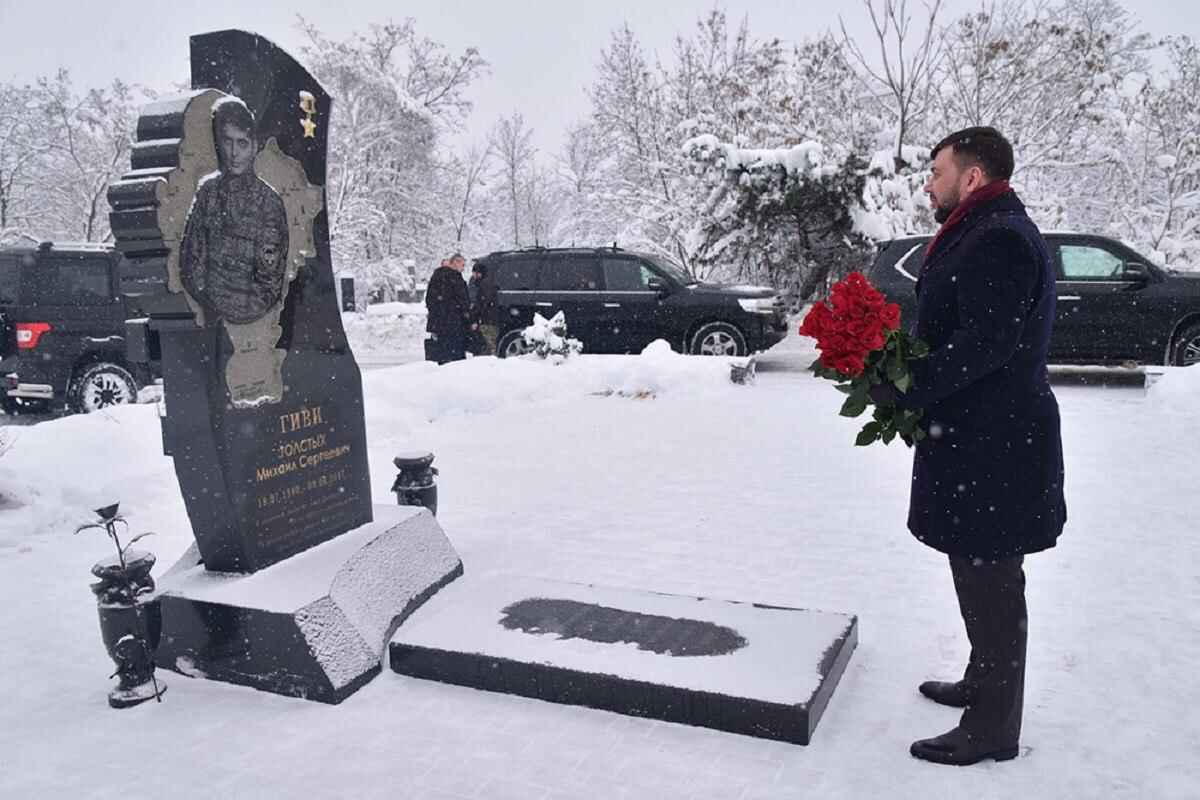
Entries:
{"x":987,"y":483}
{"x":484,"y":307}
{"x":449,"y":310}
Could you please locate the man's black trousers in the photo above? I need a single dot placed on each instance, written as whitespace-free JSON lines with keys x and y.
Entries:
{"x":991,"y":597}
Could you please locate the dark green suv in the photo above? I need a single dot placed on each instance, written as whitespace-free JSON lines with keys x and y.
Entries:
{"x":62,"y":330}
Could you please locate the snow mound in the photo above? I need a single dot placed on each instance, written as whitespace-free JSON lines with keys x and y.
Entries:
{"x":393,"y":330}
{"x":1177,"y":389}
{"x":423,"y":392}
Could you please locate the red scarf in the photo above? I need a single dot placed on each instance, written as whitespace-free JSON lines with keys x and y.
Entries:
{"x":983,"y":194}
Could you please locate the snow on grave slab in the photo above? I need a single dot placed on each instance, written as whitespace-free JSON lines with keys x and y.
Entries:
{"x":757,"y":670}
{"x":314,"y":625}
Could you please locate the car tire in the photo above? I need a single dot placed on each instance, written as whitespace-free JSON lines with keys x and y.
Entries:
{"x":1185,"y":351}
{"x":99,"y":386}
{"x":717,"y":339}
{"x":512,"y":344}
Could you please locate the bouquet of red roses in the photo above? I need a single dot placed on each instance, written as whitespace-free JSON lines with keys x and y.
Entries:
{"x":858,"y":334}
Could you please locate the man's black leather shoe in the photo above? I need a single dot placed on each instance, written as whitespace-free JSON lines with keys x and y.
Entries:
{"x":957,"y":694}
{"x":958,"y":749}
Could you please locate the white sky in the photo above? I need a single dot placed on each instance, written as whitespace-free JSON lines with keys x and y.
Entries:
{"x":542,"y":52}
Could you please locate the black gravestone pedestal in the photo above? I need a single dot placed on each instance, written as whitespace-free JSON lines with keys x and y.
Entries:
{"x":312,"y":626}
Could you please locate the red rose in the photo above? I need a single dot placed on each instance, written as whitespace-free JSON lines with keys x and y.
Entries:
{"x":816,"y":321}
{"x":890,"y":316}
{"x":851,"y":366}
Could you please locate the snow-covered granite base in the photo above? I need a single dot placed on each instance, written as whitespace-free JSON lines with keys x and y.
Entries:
{"x":315,"y":625}
{"x":774,"y":683}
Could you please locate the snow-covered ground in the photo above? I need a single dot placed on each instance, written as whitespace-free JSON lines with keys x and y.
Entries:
{"x":387,"y":333}
{"x":652,"y":473}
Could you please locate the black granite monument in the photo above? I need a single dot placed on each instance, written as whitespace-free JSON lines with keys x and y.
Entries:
{"x":225,"y":208}
{"x":223,"y":224}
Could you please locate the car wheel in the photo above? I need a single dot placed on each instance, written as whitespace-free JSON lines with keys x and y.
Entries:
{"x":718,"y":339}
{"x":512,"y":344}
{"x":100,"y":386}
{"x":1186,"y":350}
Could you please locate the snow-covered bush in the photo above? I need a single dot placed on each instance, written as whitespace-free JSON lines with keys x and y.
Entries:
{"x":788,"y":217}
{"x":548,"y":338}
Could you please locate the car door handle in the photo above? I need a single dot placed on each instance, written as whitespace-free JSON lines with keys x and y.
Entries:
{"x":612,"y":305}
{"x":544,"y":305}
{"x":1070,"y":297}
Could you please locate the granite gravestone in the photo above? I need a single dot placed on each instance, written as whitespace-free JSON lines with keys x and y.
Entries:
{"x":263,"y":397}
{"x":297,"y":580}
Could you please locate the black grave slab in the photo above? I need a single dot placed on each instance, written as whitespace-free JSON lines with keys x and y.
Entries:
{"x":756,"y":670}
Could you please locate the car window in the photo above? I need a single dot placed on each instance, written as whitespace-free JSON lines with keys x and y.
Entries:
{"x":517,"y":274}
{"x":10,"y":280}
{"x":677,"y":273}
{"x":626,"y":275}
{"x":571,"y":274}
{"x":69,"y":282}
{"x":1087,"y":263}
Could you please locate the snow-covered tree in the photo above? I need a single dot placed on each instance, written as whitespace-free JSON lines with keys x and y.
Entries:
{"x":1160,"y":170}
{"x":512,"y":142}
{"x":59,"y":151}
{"x":465,"y":179}
{"x":397,"y":94}
{"x":22,"y":145}
{"x":786,"y":217}
{"x":900,"y":79}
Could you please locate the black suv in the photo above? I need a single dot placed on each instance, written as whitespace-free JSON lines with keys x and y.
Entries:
{"x":1114,"y":306}
{"x":62,"y":329}
{"x":617,"y":301}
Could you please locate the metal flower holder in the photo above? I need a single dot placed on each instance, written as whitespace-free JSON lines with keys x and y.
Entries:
{"x":415,"y":485}
{"x":130,"y":623}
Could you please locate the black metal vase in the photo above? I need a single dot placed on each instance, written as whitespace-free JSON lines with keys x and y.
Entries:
{"x":130,"y":626}
{"x":415,"y":485}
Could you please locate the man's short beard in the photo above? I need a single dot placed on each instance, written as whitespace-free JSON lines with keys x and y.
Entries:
{"x":942,"y":213}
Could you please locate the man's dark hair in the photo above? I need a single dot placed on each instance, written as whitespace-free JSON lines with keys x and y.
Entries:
{"x":983,"y":146}
{"x":480,"y":268}
{"x":231,"y":112}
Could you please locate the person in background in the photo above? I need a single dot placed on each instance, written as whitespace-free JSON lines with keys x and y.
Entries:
{"x":449,"y":311}
{"x":484,"y":314}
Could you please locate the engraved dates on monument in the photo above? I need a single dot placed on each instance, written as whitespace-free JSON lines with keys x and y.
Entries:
{"x":302,"y":487}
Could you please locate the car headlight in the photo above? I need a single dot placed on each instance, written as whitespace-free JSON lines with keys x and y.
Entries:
{"x":759,"y":305}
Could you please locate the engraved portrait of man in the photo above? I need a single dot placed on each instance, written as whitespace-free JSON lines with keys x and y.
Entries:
{"x":235,"y":243}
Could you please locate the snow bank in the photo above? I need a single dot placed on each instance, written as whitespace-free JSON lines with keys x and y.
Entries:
{"x":423,"y":392}
{"x":1176,"y":390}
{"x":59,"y":471}
{"x":392,"y":330}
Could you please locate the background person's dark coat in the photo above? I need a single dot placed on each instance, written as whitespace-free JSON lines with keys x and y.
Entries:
{"x":988,"y":481}
{"x":486,"y":308}
{"x":448,"y":313}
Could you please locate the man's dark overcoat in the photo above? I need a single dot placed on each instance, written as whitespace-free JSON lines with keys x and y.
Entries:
{"x":449,"y":311}
{"x":988,"y":480}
